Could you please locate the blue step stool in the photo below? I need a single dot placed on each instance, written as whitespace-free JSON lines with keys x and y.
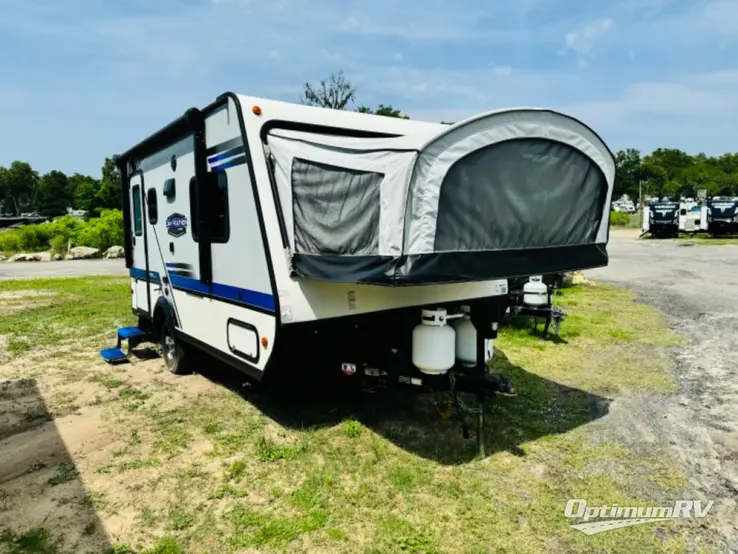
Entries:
{"x":133,"y":335}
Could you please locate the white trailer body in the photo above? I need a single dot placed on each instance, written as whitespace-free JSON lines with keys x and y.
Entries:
{"x":238,"y":245}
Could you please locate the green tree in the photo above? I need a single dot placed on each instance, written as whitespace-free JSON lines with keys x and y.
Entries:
{"x":674,"y":161}
{"x":17,"y":185}
{"x":387,"y":111}
{"x":628,"y":165}
{"x":336,"y":92}
{"x":110,"y":196}
{"x":52,"y":196}
{"x":86,"y":192}
{"x":653,"y":178}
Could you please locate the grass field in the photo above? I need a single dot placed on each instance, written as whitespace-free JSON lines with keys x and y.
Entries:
{"x":131,"y":459}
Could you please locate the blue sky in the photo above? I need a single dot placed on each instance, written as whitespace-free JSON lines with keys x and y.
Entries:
{"x":84,"y":79}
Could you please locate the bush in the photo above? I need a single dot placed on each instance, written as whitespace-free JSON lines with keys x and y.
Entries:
{"x":102,"y":233}
{"x":9,"y":241}
{"x":620,"y":219}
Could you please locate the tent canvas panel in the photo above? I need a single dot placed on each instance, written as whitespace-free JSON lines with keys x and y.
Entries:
{"x":341,"y":161}
{"x":541,"y":193}
{"x":352,"y":226}
{"x":495,"y":197}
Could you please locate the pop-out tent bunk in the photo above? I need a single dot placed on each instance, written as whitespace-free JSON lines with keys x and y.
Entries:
{"x":508,"y":193}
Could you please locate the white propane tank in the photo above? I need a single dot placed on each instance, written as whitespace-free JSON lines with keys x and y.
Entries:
{"x":466,"y":339}
{"x":535,"y":292}
{"x":434,"y":343}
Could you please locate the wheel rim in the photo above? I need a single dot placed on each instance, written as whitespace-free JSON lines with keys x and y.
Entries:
{"x":169,"y":350}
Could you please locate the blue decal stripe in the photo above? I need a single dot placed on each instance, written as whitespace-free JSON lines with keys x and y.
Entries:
{"x":226,"y":292}
{"x":141,"y":275}
{"x":230,"y":163}
{"x":226,"y":154}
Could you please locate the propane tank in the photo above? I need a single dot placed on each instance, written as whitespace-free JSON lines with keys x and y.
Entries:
{"x":466,"y":340}
{"x":535,"y":292}
{"x":434,"y":343}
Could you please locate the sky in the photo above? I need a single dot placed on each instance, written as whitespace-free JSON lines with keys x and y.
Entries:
{"x":84,"y":79}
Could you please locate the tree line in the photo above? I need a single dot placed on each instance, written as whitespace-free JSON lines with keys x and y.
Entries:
{"x":674,"y":173}
{"x":663,"y":172}
{"x":25,"y":190}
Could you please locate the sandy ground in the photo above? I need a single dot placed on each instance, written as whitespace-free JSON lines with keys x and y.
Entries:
{"x":696,"y":287}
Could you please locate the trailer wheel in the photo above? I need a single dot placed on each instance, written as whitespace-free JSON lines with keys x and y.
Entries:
{"x":175,"y":354}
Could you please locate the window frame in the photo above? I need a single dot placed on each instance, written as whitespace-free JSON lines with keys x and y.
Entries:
{"x":137,"y":217}
{"x":213,"y":186}
{"x":153,"y":216}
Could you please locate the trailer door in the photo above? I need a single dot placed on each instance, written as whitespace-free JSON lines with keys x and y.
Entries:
{"x":140,"y":266}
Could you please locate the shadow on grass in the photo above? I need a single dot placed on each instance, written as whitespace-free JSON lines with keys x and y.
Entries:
{"x":411,"y":419}
{"x":44,"y":506}
{"x":533,"y":327}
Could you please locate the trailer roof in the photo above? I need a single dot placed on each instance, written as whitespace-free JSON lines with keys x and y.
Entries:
{"x":299,"y":113}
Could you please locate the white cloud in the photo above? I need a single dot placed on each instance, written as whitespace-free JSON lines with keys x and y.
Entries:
{"x":502,"y":70}
{"x":398,"y":56}
{"x":583,"y":39}
{"x":351,"y":23}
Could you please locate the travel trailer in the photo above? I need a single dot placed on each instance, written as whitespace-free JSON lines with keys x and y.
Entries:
{"x":692,"y":217}
{"x":722,"y":216}
{"x":661,"y":219}
{"x":263,"y":232}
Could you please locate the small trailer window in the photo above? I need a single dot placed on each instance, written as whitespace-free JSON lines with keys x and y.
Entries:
{"x":137,"y":221}
{"x":152,"y":207}
{"x":217,"y":191}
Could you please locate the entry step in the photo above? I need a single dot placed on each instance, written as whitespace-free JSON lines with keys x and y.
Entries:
{"x":113,"y":355}
{"x":130,"y":332}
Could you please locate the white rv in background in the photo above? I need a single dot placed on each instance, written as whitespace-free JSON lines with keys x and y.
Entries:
{"x":260,"y":231}
{"x":692,"y":217}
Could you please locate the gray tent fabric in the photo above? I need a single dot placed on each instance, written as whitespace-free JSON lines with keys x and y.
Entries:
{"x":336,"y":209}
{"x":509,"y":193}
{"x":515,"y":211}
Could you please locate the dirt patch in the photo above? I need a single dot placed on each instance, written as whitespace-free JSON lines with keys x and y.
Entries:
{"x":19,"y":300}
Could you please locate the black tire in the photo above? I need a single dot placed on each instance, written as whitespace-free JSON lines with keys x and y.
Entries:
{"x":175,"y":354}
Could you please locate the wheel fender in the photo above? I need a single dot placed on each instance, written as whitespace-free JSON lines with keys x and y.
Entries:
{"x":163,"y":315}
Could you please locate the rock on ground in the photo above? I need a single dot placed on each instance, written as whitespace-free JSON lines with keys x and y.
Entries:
{"x":31,"y":257}
{"x":82,"y":253}
{"x":114,"y":252}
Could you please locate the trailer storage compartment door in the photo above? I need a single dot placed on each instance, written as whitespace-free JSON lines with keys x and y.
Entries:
{"x":506,"y":194}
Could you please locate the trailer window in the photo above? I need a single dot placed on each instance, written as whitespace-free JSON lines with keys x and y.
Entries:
{"x":218,"y":218}
{"x":153,"y":209}
{"x":219,"y":204}
{"x":137,"y":220}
